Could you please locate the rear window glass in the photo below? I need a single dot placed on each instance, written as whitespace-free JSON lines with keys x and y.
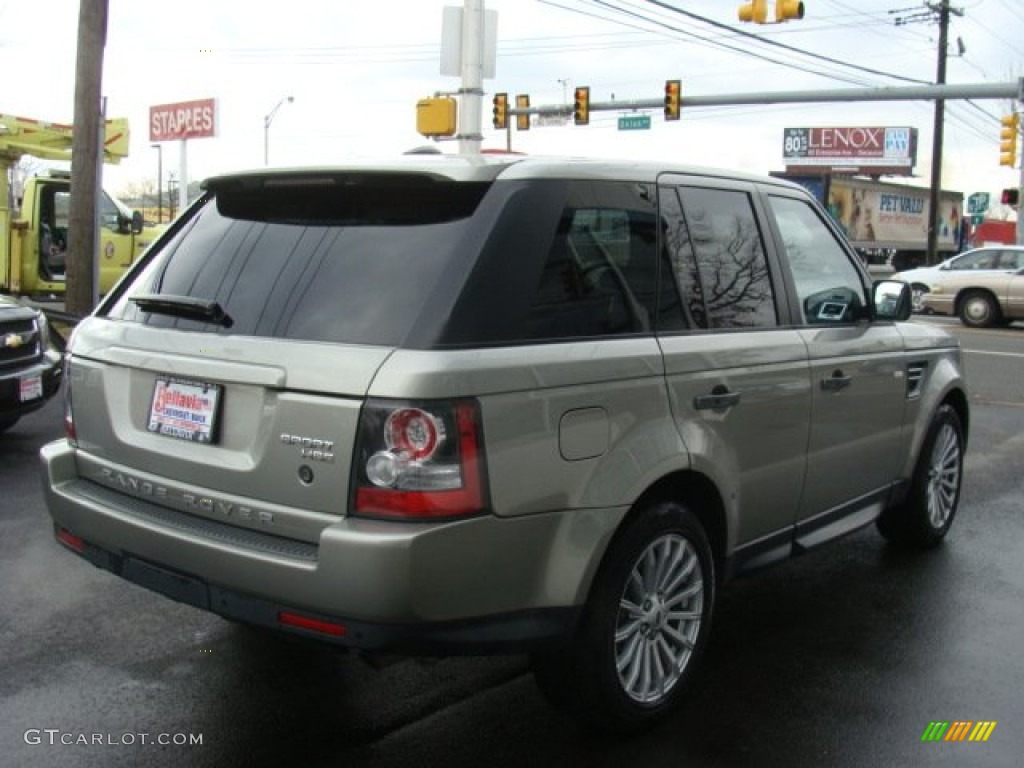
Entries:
{"x":351,"y":261}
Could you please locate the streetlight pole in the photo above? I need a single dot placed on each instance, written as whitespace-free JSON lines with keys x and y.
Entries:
{"x":159,"y":182}
{"x":267,"y":119}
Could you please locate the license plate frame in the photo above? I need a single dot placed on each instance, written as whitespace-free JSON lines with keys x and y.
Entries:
{"x":186,"y":409}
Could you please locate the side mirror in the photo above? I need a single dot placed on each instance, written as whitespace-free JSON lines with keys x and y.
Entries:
{"x":136,"y":222}
{"x":892,"y":300}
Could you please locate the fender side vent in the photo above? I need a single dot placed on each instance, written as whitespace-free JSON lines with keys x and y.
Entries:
{"x":915,"y":379}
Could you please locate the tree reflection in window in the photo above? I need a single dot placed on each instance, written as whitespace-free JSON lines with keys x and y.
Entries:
{"x":718,"y":258}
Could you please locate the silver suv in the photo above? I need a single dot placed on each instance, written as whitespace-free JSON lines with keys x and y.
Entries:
{"x":463,"y":405}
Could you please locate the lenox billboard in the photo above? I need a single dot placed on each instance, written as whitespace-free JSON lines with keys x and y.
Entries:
{"x":851,"y":147}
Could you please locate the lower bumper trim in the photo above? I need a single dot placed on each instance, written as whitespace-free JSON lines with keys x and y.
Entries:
{"x":516,"y":632}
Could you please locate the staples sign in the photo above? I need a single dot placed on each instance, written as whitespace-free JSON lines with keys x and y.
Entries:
{"x":186,"y":120}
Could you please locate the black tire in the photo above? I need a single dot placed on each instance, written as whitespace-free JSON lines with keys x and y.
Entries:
{"x":979,"y":309}
{"x":633,"y":655}
{"x":924,"y":517}
{"x":8,"y":422}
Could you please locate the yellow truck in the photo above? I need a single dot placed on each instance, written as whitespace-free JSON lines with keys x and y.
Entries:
{"x":34,"y":224}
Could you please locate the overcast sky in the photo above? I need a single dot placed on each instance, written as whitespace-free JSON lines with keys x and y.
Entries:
{"x":356,"y":70}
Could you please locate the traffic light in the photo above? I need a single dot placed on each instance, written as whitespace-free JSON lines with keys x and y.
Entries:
{"x":1008,"y":139}
{"x":501,"y":111}
{"x":672,"y":89}
{"x":755,"y":11}
{"x":788,"y":9}
{"x":581,"y":108}
{"x":1010,"y":197}
{"x":523,"y":121}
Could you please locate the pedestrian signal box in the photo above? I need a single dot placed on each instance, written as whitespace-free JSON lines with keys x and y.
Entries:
{"x":436,"y":116}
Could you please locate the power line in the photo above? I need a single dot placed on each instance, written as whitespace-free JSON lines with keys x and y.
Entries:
{"x":706,"y":41}
{"x":784,"y":46}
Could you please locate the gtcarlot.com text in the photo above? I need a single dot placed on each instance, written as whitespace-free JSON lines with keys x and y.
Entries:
{"x":57,"y":737}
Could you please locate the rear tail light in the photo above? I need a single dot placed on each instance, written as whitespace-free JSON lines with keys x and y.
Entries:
{"x":419,"y":461}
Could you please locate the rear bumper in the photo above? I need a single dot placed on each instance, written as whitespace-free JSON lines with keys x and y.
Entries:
{"x":508,"y":633}
{"x":478,"y":585}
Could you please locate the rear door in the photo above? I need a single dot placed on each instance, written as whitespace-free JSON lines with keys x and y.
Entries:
{"x":738,"y":378}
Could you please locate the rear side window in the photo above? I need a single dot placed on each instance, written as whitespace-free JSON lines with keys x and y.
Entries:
{"x":346,"y":260}
{"x":600,"y":277}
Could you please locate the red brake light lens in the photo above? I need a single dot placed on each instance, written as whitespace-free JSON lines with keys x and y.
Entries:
{"x":419,"y":461}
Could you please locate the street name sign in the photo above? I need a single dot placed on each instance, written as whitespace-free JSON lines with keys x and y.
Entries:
{"x":635,"y":123}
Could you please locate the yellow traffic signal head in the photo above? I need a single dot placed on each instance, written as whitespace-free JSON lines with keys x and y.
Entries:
{"x":788,"y":9}
{"x":501,"y":111}
{"x":672,"y":92}
{"x":581,"y":107}
{"x":523,"y":121}
{"x":1010,"y":128}
{"x":755,"y":11}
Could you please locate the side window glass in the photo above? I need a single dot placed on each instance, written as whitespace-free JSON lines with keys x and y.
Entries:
{"x":985,"y":259}
{"x":108,"y":212}
{"x":828,"y":286}
{"x":1010,"y":260}
{"x":718,"y":258}
{"x":601,"y":274}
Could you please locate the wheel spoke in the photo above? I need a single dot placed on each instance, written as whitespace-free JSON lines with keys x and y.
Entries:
{"x":645,"y":668}
{"x":626,"y":631}
{"x":627,"y":660}
{"x":680,"y":638}
{"x":633,"y":610}
{"x":663,"y":564}
{"x":688,"y":561}
{"x":694,"y":589}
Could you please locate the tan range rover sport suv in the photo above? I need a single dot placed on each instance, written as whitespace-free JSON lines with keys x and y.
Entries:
{"x":462,"y":405}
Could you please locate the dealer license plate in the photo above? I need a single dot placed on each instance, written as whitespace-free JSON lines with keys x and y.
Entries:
{"x":30,"y":388}
{"x":185,"y":409}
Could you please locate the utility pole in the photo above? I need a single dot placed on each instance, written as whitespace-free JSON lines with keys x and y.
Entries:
{"x":940,"y":119}
{"x":82,"y":277}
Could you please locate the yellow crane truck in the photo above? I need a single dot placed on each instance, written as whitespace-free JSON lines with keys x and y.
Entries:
{"x":34,"y":224}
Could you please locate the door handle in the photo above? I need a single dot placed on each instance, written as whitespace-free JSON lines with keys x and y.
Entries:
{"x":720,"y":399}
{"x":836,"y":382}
